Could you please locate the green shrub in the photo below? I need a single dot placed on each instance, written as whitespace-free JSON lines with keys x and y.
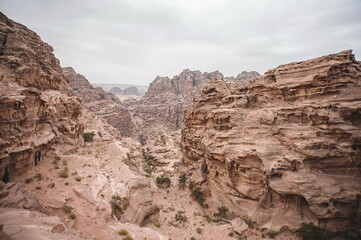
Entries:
{"x":272,"y":234}
{"x":88,"y":136}
{"x":242,"y":238}
{"x":67,"y":208}
{"x":157,"y":224}
{"x":51,"y":185}
{"x":64,"y":173}
{"x":199,"y":230}
{"x":128,"y":238}
{"x":197,"y":195}
{"x":222,"y":212}
{"x":78,"y":179}
{"x":193,"y":238}
{"x":72,"y":216}
{"x":163,"y":182}
{"x":123,"y":232}
{"x":309,"y":231}
{"x":28,"y":180}
{"x":182,"y":181}
{"x":231,"y":234}
{"x":37,"y":187}
{"x":180,"y":217}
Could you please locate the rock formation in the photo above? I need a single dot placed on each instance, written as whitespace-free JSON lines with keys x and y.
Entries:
{"x":104,"y":104}
{"x":127,"y":91}
{"x":116,"y":91}
{"x":286,"y":148}
{"x":37,"y":106}
{"x":166,"y":99}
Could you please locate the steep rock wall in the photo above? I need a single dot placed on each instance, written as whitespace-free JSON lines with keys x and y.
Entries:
{"x":286,"y":148}
{"x":104,"y":104}
{"x":37,"y":106}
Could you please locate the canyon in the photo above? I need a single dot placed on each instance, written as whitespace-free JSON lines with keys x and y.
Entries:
{"x":198,"y":156}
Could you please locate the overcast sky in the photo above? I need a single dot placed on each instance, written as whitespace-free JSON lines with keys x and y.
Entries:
{"x":133,"y":41}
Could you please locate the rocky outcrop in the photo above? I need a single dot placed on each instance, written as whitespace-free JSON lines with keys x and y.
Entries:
{"x":129,"y":91}
{"x":104,"y":104}
{"x":116,"y":91}
{"x":37,"y":106}
{"x":286,"y":148}
{"x":163,"y":104}
{"x":139,"y":201}
{"x":20,"y":224}
{"x":15,"y":195}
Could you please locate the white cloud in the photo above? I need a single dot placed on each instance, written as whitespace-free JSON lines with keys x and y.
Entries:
{"x":133,"y":41}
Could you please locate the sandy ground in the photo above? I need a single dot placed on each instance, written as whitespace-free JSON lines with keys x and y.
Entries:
{"x":99,"y":170}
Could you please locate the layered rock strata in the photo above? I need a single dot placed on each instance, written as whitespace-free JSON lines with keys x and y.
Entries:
{"x":286,"y":148}
{"x":104,"y":104}
{"x":166,"y":99}
{"x":37,"y":106}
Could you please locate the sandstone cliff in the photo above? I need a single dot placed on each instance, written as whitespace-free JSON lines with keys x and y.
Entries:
{"x":104,"y":104}
{"x":163,"y":104}
{"x":286,"y":148}
{"x":37,"y":106}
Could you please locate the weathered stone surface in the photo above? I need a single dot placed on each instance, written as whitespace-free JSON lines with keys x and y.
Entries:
{"x":116,"y":91}
{"x":104,"y":104}
{"x":139,"y":202}
{"x":37,"y":106}
{"x":286,"y":148}
{"x":15,"y":195}
{"x":20,"y":224}
{"x":163,"y":104}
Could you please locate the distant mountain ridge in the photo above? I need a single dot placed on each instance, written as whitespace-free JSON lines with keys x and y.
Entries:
{"x":107,"y":86}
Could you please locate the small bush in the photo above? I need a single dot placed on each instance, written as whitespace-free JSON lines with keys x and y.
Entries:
{"x":71,"y":151}
{"x":28,"y":180}
{"x":51,"y":185}
{"x":72,"y":216}
{"x":64,"y":173}
{"x":242,"y":238}
{"x":272,"y":234}
{"x":128,"y":238}
{"x":116,"y":204}
{"x":231,"y":234}
{"x":193,"y":238}
{"x":182,"y":181}
{"x":163,"y":182}
{"x":309,"y":231}
{"x":56,"y":159}
{"x":222,"y":212}
{"x":100,"y":134}
{"x":199,"y":230}
{"x":78,"y":179}
{"x":38,"y":176}
{"x":157,"y":224}
{"x":197,"y":195}
{"x":67,"y":208}
{"x":37,"y":187}
{"x":88,"y":136}
{"x":123,"y":232}
{"x":180,"y":217}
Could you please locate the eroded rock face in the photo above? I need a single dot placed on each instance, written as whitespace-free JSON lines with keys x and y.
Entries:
{"x":104,"y":104}
{"x":286,"y":148}
{"x":19,"y":224}
{"x":37,"y":106}
{"x":15,"y":195}
{"x":166,"y":99}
